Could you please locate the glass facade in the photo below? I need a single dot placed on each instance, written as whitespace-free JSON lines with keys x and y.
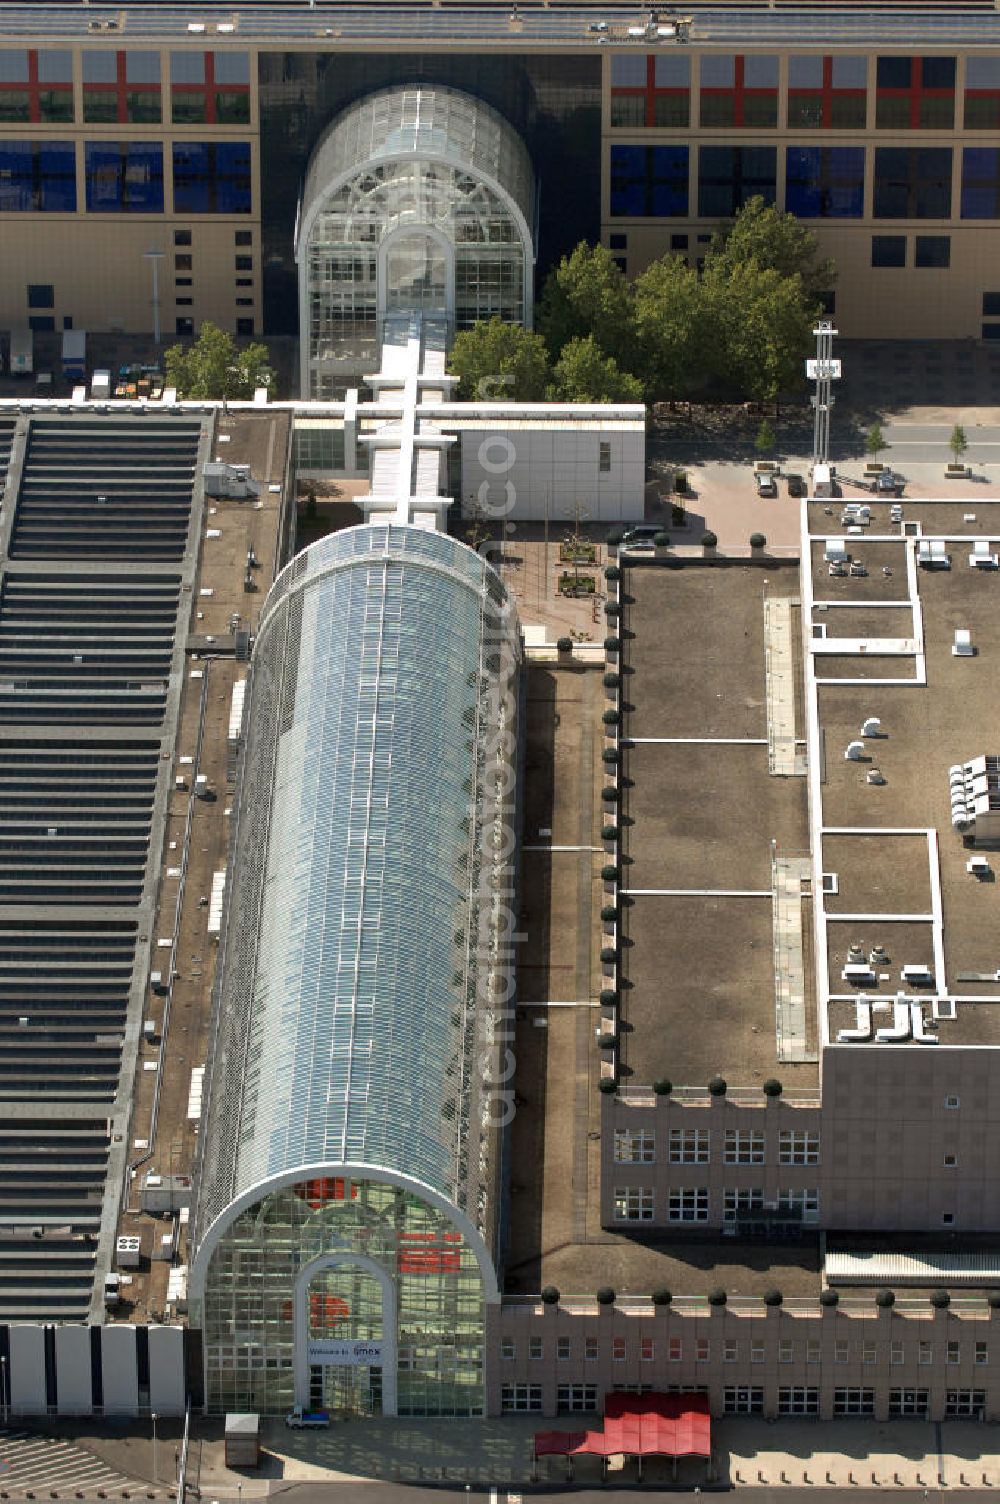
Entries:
{"x":210,"y":88}
{"x":828,"y":93}
{"x":212,"y":177}
{"x":915,"y":93}
{"x":124,"y":176}
{"x":729,"y":175}
{"x":649,"y":180}
{"x":739,"y":91}
{"x":825,"y":182}
{"x":36,"y":85}
{"x":121,"y":87}
{"x":982,"y":93}
{"x":37,"y":176}
{"x":981,"y":182}
{"x":653,"y":90}
{"x":912,"y":182}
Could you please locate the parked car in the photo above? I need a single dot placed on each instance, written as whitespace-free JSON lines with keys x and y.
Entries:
{"x":644,"y":533}
{"x":888,"y":484}
{"x":796,"y":485}
{"x":767,"y":484}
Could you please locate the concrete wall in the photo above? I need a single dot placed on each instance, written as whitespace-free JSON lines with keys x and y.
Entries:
{"x":528,"y":473}
{"x":94,"y":1370}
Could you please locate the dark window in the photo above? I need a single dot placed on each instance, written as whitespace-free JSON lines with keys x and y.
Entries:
{"x":982,"y":93}
{"x":183,"y":263}
{"x":678,"y":242}
{"x":650,"y":90}
{"x":738,"y":90}
{"x":888,"y":250}
{"x":933,"y":250}
{"x":618,"y":242}
{"x":825,"y":182}
{"x":184,"y":302}
{"x":182,"y":237}
{"x":122,"y":87}
{"x":915,"y":93}
{"x":244,"y":263}
{"x":212,"y":177}
{"x":244,"y":281}
{"x":649,"y":181}
{"x":981,"y":182}
{"x":912,"y":182}
{"x":183,"y":281}
{"x":991,"y":305}
{"x":243,"y":237}
{"x":41,"y":295}
{"x":67,"y":321}
{"x":244,"y":327}
{"x":730,"y":175}
{"x":38,"y":175}
{"x":41,"y":323}
{"x":36,"y":86}
{"x":991,"y":331}
{"x":248,"y":302}
{"x":184,"y":325}
{"x":210,"y":88}
{"x":828,"y":93}
{"x":124,"y":177}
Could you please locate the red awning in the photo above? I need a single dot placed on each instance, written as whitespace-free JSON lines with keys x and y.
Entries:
{"x":639,"y":1425}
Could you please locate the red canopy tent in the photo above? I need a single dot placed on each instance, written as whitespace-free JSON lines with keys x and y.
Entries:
{"x":639,"y":1425}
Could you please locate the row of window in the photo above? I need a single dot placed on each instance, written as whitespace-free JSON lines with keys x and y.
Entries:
{"x":788,"y":1350}
{"x":692,"y":1146}
{"x":125,"y":87}
{"x":635,"y":1203}
{"x":748,"y":1399}
{"x":824,"y":93}
{"x":209,"y":177}
{"x":821,"y":182}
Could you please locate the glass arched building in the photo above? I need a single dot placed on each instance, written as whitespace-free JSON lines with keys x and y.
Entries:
{"x":417,"y":199}
{"x":347,"y":1206}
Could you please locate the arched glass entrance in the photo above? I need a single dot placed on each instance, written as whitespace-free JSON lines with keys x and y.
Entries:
{"x":416,"y":274}
{"x":345,"y":1332}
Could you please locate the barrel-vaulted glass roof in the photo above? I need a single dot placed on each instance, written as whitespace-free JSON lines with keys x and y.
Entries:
{"x":354,"y":1008}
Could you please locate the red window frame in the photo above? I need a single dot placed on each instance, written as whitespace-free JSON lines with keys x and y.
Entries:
{"x":915,"y":93}
{"x":209,"y":88}
{"x":121,"y":88}
{"x":35,"y":88}
{"x":650,"y":91}
{"x":739,"y":93}
{"x":826,"y":93}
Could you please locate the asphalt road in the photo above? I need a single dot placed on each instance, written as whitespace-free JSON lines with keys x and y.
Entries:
{"x":916,"y":443}
{"x":384,"y":1493}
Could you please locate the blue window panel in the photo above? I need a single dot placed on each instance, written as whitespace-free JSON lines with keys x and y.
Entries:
{"x":981,"y":182}
{"x":825,"y":182}
{"x":124,"y":177}
{"x":212,"y":177}
{"x":730,"y":175}
{"x":649,"y":181}
{"x":912,"y":183}
{"x":37,"y":176}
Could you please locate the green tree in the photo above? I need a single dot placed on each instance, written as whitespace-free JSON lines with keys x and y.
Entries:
{"x":778,"y":242}
{"x":958,"y":443}
{"x":874,"y":441}
{"x":670,"y":328}
{"x":213,"y":367}
{"x":759,"y":329}
{"x":497,"y":361}
{"x":765,"y":440}
{"x":586,"y":295}
{"x":583,"y":373}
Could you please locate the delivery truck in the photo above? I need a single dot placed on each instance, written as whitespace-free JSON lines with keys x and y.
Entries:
{"x":22,"y":352}
{"x":74,"y":355}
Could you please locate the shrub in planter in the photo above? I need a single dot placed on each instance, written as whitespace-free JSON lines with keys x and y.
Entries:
{"x":993,"y":1300}
{"x":680,"y":481}
{"x":611,"y":717}
{"x":610,"y":832}
{"x":605,"y":1296}
{"x":610,"y":794}
{"x":609,"y":872}
{"x":612,"y":573}
{"x":829,"y":1297}
{"x":662,"y":1297}
{"x":612,"y":644}
{"x":565,"y":644}
{"x":610,"y":756}
{"x":663,"y":1087}
{"x":612,"y":681}
{"x":662,"y":540}
{"x":771,"y":1087}
{"x":708,"y":539}
{"x":773,"y":1297}
{"x":717,"y":1086}
{"x":615,"y":537}
{"x":609,"y":913}
{"x":757,"y":540}
{"x":609,"y":954}
{"x":885,"y":1299}
{"x":609,"y":997}
{"x":940,"y":1300}
{"x":717,"y":1297}
{"x":606,"y":1041}
{"x":608,"y":1086}
{"x":550,"y":1296}
{"x":612,"y":609}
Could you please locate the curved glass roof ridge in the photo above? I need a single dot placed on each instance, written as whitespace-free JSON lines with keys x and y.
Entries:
{"x":361,"y":916}
{"x":428,"y":121}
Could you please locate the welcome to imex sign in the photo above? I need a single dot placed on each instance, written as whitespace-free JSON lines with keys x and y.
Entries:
{"x":350,"y":1354}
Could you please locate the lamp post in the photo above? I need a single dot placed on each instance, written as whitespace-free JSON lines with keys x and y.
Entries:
{"x":3,"y":1387}
{"x":156,"y":1474}
{"x":154,"y":258}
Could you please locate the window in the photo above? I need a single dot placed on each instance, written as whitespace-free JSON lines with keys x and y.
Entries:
{"x":124,"y":177}
{"x":913,"y":182}
{"x":964,"y":1404}
{"x":813,"y":1351}
{"x":824,"y":182}
{"x":896,"y":1353}
{"x":604,"y":457}
{"x":730,"y":1351}
{"x":741,"y":1202}
{"x":739,"y":91}
{"x":688,"y":1204}
{"x":649,"y":181}
{"x":37,"y":176}
{"x":689,"y":1146}
{"x":840,"y":1352}
{"x":953,"y":1102}
{"x":184,"y":302}
{"x":925,"y":1354}
{"x":36,"y":86}
{"x":210,"y":88}
{"x":990,"y":331}
{"x":634,"y":1203}
{"x":535,"y":1348}
{"x":982,"y":1354}
{"x":121,"y":88}
{"x":784,"y":1351}
{"x":888,"y":250}
{"x":41,"y":323}
{"x":798,"y":1400}
{"x":982,"y":93}
{"x":756,"y":1352}
{"x":212,"y":177}
{"x":730,"y":175}
{"x":675,"y":1349}
{"x":854,"y":1402}
{"x":243,"y":237}
{"x":980,"y":200}
{"x":702,"y":1348}
{"x":908,"y":1402}
{"x":798,"y":1146}
{"x":868,"y":1352}
{"x":244,"y":302}
{"x":575,"y":1397}
{"x":743,"y":1399}
{"x":618,"y":1350}
{"x":744,"y":1146}
{"x":182,"y":237}
{"x":590,"y":1348}
{"x":244,"y":281}
{"x":827,"y":93}
{"x":915,"y":93}
{"x":954,"y":1353}
{"x":563,"y":1349}
{"x":950,"y":1160}
{"x":244,"y":263}
{"x":507,"y":1349}
{"x":800,"y":1204}
{"x":678,"y":242}
{"x":647,"y":1349}
{"x":934,"y":250}
{"x":947,"y":1219}
{"x":184,"y":325}
{"x":649,"y":91}
{"x":183,"y":263}
{"x":520,"y":1397}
